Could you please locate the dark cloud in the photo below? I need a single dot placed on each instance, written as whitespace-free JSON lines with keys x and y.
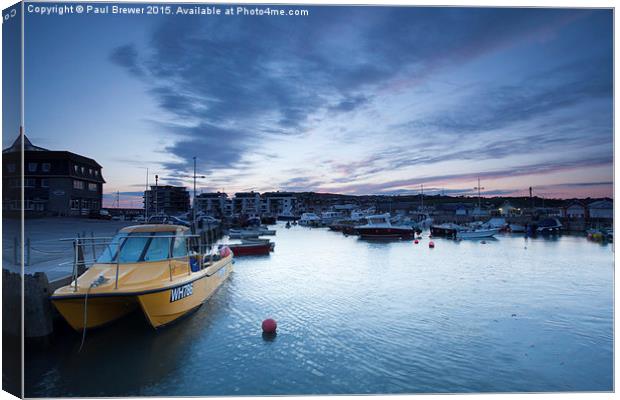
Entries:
{"x":127,"y":56}
{"x":235,"y":83}
{"x":350,"y":103}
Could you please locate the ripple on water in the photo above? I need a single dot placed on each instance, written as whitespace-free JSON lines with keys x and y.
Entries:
{"x":367,"y":317}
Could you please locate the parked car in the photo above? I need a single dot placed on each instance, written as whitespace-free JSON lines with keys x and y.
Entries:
{"x":99,"y":214}
{"x":159,"y":219}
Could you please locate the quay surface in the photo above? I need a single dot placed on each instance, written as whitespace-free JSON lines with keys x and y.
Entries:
{"x":510,"y":315}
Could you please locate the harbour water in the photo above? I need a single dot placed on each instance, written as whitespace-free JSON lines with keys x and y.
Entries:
{"x":355,"y":317}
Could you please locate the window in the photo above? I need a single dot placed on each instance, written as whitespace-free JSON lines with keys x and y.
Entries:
{"x":92,"y":187}
{"x":14,"y":183}
{"x":137,"y":247}
{"x":46,"y":167}
{"x":96,"y":173}
{"x":29,"y":182}
{"x":179,"y":248}
{"x":32,"y":167}
{"x":75,"y":168}
{"x":83,"y":169}
{"x":78,"y":184}
{"x":10,"y":167}
{"x":75,"y":204}
{"x":45,"y":183}
{"x":90,"y":171}
{"x":159,"y":249}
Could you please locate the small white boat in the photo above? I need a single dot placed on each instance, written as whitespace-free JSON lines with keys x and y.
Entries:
{"x":310,"y":219}
{"x":329,"y":217}
{"x":476,"y":233}
{"x":250,"y":233}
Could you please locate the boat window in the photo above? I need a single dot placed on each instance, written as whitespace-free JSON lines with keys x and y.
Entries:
{"x":132,"y":249}
{"x":179,"y":247}
{"x":109,"y":253}
{"x":159,"y":248}
{"x":137,"y":247}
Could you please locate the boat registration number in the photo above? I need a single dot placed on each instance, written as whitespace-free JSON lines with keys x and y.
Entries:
{"x":181,"y":292}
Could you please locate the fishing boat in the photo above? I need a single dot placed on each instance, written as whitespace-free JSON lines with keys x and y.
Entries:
{"x":251,"y":247}
{"x":380,"y":227}
{"x":159,"y":269}
{"x":477,"y":233}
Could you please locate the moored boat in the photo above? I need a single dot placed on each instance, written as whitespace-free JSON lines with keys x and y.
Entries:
{"x":310,"y":219}
{"x":251,"y":247}
{"x":380,"y":227}
{"x":445,"y":230}
{"x":158,"y":269}
{"x":477,"y":233}
{"x":250,"y":233}
{"x":549,"y":226}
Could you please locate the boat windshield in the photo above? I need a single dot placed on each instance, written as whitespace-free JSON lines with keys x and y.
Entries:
{"x":143,"y":246}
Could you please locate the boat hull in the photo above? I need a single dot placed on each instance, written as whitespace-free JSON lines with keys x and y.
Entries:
{"x":385,"y":233}
{"x":440,"y":231}
{"x":250,"y":250}
{"x":100,"y":310}
{"x":164,"y":307}
{"x":160,"y":305}
{"x":477,"y":234}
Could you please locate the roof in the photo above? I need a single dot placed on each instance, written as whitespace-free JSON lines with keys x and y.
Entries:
{"x":28,"y":146}
{"x":602,"y":204}
{"x":147,"y":228}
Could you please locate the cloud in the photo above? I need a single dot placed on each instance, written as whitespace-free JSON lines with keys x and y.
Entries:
{"x":233,"y":85}
{"x":127,"y":56}
{"x":523,"y":170}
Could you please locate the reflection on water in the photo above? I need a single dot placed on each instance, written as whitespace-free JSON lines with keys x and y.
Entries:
{"x":513,"y":314}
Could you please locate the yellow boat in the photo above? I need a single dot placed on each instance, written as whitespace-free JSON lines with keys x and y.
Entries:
{"x":157,"y":268}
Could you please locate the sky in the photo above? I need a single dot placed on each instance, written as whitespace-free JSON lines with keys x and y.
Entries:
{"x":354,"y":100}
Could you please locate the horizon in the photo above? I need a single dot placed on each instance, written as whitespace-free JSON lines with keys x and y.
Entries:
{"x":351,"y":100}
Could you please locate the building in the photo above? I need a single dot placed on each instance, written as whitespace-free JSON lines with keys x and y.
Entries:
{"x":166,"y":199}
{"x":603,"y":209}
{"x":246,"y":203}
{"x":280,"y":203}
{"x":575,"y":211}
{"x":508,"y":210}
{"x":214,"y":204}
{"x":55,"y":182}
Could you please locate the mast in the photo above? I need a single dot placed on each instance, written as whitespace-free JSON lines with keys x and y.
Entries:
{"x":146,"y":197}
{"x":479,"y":188}
{"x":421,"y":197}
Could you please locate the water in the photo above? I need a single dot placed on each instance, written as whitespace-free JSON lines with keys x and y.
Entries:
{"x":356,"y":317}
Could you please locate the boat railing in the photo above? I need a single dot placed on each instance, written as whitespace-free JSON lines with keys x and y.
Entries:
{"x":82,"y":245}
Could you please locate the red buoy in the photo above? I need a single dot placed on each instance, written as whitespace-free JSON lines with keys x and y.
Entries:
{"x":431,"y":245}
{"x":416,"y":241}
{"x":269,"y":326}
